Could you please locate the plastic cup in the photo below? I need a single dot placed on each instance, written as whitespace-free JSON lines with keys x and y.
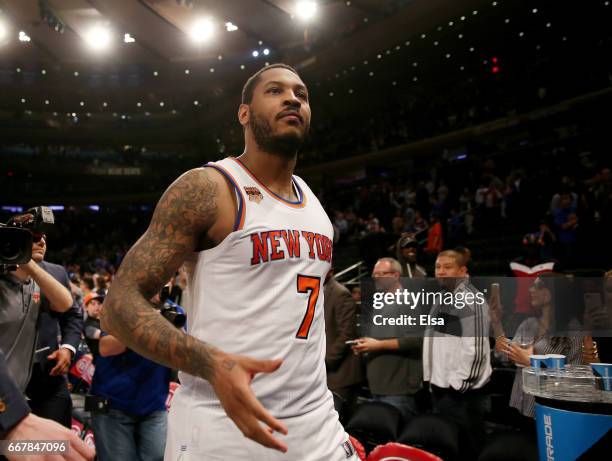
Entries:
{"x":555,"y":361}
{"x":603,"y":371}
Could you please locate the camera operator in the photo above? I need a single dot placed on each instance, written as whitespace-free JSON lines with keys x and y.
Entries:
{"x":48,"y":387}
{"x":128,"y":397}
{"x":22,"y":292}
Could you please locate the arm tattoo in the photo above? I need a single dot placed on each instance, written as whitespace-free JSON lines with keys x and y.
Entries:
{"x":184,"y":213}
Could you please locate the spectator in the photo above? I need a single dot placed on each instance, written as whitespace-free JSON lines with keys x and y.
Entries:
{"x":566,"y":223}
{"x":434,"y":236}
{"x":92,"y":330}
{"x":344,"y":371}
{"x":456,"y":355}
{"x":130,"y":420}
{"x":393,"y":361}
{"x":535,"y":335}
{"x":407,"y":250}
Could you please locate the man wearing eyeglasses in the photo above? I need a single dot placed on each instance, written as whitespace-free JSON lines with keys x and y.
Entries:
{"x":48,"y":387}
{"x":22,"y":294}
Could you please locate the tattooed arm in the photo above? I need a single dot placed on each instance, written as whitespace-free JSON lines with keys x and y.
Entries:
{"x":196,"y":205}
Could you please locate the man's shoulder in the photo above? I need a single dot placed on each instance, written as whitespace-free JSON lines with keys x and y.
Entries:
{"x":52,"y":267}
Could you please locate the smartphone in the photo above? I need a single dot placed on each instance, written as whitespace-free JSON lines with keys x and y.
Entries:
{"x":350,"y":342}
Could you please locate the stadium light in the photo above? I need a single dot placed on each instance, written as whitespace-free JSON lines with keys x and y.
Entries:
{"x":306,"y":10}
{"x":202,"y":30}
{"x":4,"y":30}
{"x":98,"y":38}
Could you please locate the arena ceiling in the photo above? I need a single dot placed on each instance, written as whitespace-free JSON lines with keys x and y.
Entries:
{"x":46,"y":65}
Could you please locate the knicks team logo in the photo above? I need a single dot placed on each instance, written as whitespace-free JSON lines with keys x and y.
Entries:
{"x":36,"y":295}
{"x":253,"y":193}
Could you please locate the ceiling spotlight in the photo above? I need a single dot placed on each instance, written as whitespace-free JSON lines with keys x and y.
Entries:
{"x":220,"y":57}
{"x":76,"y":73}
{"x":230,"y":27}
{"x":534,"y":11}
{"x":138,"y":104}
{"x":305,"y":10}
{"x":371,"y":74}
{"x":173,"y":111}
{"x":475,"y":12}
{"x":127,"y":38}
{"x":266,"y":51}
{"x":242,"y":66}
{"x":155,"y":73}
{"x":23,"y":37}
{"x":260,"y":43}
{"x":147,"y":114}
{"x":81,"y":104}
{"x":423,"y":35}
{"x":18,"y":70}
{"x":255,"y":53}
{"x":105,"y":104}
{"x":98,"y":38}
{"x":187,"y":71}
{"x":46,"y":102}
{"x":3,"y":30}
{"x":74,"y":114}
{"x":436,"y":43}
{"x":494,"y":3}
{"x":161,"y":104}
{"x":43,"y":71}
{"x":451,"y":23}
{"x":212,"y":69}
{"x":463,"y":18}
{"x":23,"y":101}
{"x":195,"y":103}
{"x":202,"y":30}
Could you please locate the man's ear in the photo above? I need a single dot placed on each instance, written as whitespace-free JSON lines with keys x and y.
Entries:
{"x":243,"y":114}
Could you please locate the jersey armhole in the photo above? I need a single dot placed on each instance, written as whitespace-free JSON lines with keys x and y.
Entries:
{"x":240,"y":214}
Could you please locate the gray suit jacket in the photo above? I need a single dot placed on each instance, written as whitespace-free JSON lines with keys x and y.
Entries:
{"x":343,"y":367}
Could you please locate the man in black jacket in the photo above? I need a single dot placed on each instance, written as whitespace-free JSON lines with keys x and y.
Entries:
{"x":48,"y":388}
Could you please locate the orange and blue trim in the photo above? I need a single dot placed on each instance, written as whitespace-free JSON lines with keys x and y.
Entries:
{"x":240,"y":215}
{"x":300,"y":203}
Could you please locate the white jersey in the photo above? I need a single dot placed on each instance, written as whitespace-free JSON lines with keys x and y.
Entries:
{"x":260,"y":293}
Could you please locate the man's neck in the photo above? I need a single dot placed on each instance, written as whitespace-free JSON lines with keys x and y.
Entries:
{"x":274,"y":171}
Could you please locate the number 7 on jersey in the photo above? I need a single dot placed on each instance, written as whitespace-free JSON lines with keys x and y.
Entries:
{"x":305,"y":284}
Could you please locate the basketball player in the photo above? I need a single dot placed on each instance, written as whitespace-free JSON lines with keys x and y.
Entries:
{"x":252,"y":365}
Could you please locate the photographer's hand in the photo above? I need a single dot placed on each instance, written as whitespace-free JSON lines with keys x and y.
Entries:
{"x":63,"y":357}
{"x":34,"y":428}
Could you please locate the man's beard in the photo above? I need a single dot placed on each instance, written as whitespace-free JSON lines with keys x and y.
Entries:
{"x":285,"y":145}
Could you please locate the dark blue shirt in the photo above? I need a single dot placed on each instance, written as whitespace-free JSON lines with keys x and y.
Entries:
{"x":131,"y":383}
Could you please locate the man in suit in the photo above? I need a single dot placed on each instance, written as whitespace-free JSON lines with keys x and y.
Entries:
{"x":47,"y":389}
{"x":344,"y":369}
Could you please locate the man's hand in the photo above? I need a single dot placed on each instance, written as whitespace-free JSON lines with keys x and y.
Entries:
{"x":63,"y":357}
{"x":232,"y":378}
{"x":366,"y":345}
{"x":34,"y":428}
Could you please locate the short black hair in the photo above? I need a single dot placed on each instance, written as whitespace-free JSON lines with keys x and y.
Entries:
{"x":251,"y":83}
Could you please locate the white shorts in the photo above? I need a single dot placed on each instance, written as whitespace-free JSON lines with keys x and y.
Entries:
{"x":205,"y":433}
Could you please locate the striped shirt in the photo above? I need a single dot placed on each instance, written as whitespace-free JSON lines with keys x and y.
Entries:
{"x":526,"y":332}
{"x":458,"y":355}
